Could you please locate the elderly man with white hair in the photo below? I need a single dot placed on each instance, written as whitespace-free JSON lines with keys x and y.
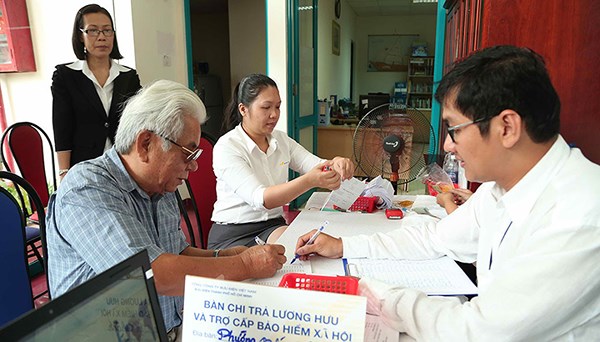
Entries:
{"x":111,"y":207}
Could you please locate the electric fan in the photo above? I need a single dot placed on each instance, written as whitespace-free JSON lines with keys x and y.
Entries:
{"x":392,"y":143}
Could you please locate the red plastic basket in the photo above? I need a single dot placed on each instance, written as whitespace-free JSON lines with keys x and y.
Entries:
{"x":363,"y":203}
{"x":314,"y":282}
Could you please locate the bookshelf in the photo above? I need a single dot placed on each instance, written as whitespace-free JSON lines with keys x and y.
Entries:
{"x":420,"y":83}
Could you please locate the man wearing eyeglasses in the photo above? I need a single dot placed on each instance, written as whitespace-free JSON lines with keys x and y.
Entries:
{"x":111,"y":207}
{"x":532,"y":227}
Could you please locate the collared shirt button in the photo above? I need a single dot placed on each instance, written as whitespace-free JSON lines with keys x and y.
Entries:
{"x":106,"y":124}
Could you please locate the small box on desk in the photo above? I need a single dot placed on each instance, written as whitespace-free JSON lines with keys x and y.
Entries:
{"x":324,"y":113}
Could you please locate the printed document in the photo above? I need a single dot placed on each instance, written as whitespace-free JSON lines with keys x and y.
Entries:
{"x":377,"y":331}
{"x":298,"y":267}
{"x":435,"y":277}
{"x":347,"y":194}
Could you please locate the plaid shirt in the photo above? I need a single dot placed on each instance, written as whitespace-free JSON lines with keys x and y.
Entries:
{"x":98,"y":217}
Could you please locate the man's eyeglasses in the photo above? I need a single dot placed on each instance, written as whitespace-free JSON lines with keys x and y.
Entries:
{"x":96,"y":32}
{"x":452,"y":129}
{"x":191,"y":155}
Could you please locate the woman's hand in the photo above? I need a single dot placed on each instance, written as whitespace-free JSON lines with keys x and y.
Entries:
{"x":461,"y":195}
{"x":323,"y":176}
{"x":344,"y":167}
{"x":452,"y":199}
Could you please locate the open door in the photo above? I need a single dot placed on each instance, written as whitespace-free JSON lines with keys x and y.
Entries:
{"x":302,"y":71}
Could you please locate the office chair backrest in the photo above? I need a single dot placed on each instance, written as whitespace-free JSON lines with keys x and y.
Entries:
{"x":15,"y":289}
{"x":203,"y":185}
{"x":190,"y":217}
{"x":26,"y":143}
{"x":34,"y":199}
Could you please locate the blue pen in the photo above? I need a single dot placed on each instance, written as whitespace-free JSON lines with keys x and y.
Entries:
{"x":312,"y":239}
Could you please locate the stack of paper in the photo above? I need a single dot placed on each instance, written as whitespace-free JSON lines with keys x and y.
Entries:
{"x":435,"y":277}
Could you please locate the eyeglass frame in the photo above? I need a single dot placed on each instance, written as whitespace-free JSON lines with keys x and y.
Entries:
{"x":86,"y":31}
{"x":191,"y":155}
{"x":451,"y":129}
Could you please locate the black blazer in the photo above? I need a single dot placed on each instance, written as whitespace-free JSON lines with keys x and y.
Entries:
{"x":78,"y":117}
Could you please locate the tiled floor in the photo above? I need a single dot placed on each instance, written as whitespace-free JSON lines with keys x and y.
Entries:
{"x":38,"y":285}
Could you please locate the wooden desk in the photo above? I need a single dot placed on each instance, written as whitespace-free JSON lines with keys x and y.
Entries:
{"x":335,"y":140}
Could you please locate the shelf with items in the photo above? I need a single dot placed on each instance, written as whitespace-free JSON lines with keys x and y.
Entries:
{"x":420,"y":83}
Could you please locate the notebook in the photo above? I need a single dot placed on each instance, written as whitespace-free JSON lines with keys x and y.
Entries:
{"x":119,"y":304}
{"x":437,"y":277}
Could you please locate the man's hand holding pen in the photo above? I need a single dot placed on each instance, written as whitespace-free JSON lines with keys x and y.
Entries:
{"x":324,"y":245}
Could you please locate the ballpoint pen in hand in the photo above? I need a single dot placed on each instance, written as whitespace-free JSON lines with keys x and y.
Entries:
{"x":311,"y":240}
{"x":259,"y":241}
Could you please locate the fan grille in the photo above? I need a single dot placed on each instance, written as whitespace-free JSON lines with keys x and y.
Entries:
{"x":409,"y":125}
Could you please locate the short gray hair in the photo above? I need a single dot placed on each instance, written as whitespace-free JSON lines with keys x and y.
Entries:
{"x":159,"y":107}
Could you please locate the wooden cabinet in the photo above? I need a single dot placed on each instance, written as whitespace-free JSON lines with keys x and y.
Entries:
{"x":335,"y":140}
{"x":16,"y":51}
{"x":565,"y":33}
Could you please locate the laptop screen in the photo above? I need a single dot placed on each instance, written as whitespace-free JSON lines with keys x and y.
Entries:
{"x":117,"y":305}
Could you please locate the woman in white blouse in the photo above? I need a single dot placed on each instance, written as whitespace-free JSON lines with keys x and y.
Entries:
{"x":252,"y":162}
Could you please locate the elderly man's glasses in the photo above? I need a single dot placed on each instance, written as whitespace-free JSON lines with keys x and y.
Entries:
{"x":96,"y":32}
{"x":191,"y":155}
{"x":452,"y":129}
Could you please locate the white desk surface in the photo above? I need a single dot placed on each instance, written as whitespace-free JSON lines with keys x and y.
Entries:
{"x":340,"y":224}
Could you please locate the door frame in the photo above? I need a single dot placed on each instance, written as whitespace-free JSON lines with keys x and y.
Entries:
{"x":296,"y":122}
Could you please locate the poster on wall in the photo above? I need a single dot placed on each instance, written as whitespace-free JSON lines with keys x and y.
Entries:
{"x":335,"y":38}
{"x":390,"y":52}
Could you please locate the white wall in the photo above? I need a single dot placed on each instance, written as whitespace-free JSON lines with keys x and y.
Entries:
{"x":366,"y":82}
{"x":277,"y":53}
{"x":334,"y":71}
{"x":159,"y":31}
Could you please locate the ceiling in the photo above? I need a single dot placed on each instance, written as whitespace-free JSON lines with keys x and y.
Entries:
{"x":362,"y":8}
{"x":368,"y":8}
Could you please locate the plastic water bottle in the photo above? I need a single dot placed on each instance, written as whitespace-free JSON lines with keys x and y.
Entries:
{"x":451,"y":167}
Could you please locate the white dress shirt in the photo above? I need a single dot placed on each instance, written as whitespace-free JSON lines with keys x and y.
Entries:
{"x":536,"y":246}
{"x":243,"y":173}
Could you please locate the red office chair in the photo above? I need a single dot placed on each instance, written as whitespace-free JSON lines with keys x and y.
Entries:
{"x":202,"y":188}
{"x":26,"y":144}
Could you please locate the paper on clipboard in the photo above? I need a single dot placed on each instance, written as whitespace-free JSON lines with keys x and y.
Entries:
{"x":347,"y":194}
{"x":440,"y":276}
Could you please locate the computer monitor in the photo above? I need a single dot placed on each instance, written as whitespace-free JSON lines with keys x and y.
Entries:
{"x":120,"y":304}
{"x":370,"y":101}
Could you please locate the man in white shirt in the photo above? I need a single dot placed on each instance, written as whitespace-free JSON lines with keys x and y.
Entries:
{"x":532,"y":228}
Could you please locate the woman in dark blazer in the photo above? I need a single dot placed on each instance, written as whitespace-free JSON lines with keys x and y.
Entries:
{"x":89,"y":94}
